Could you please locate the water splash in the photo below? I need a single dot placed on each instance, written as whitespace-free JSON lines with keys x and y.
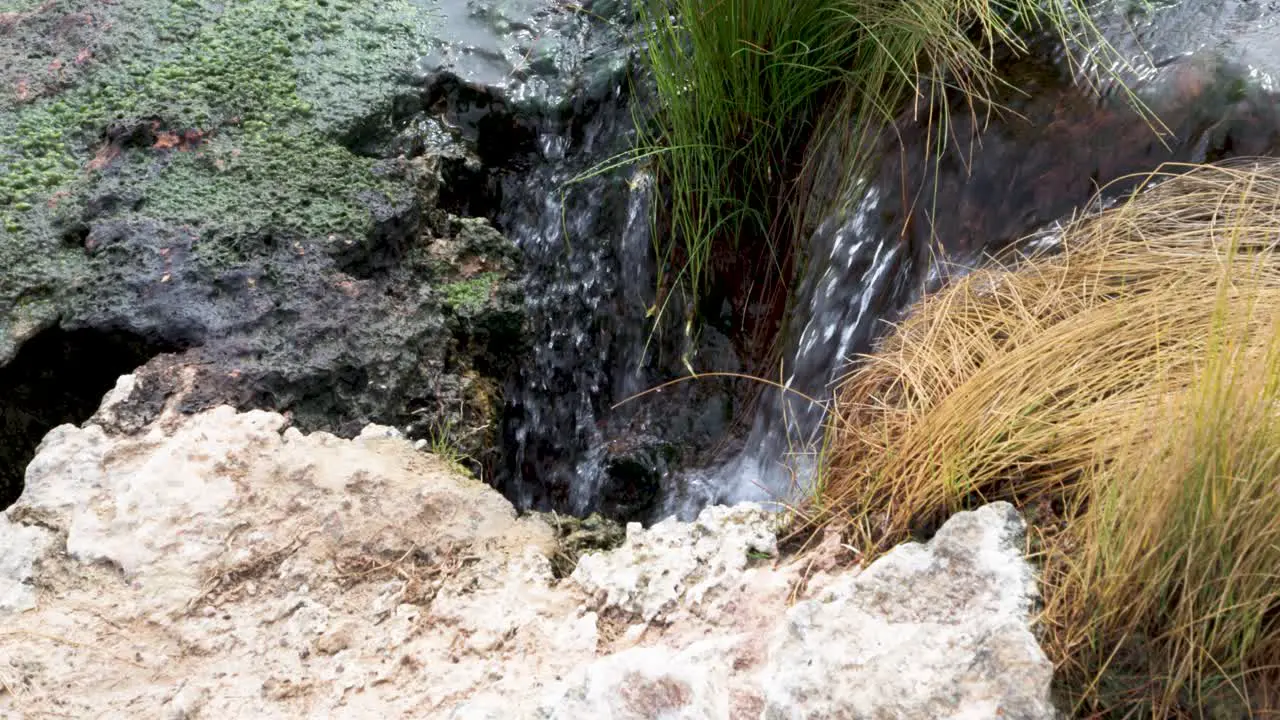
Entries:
{"x":853,"y":281}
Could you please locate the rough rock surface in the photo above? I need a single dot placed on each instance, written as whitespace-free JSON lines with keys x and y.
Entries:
{"x":221,"y":127}
{"x":264,"y":188}
{"x":676,"y":567}
{"x":20,"y":547}
{"x":224,"y":565}
{"x":958,"y":648}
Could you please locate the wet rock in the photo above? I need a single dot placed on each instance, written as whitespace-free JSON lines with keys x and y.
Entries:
{"x":632,"y":485}
{"x":1157,"y":35}
{"x":580,"y":433}
{"x":539,"y":95}
{"x":541,"y":54}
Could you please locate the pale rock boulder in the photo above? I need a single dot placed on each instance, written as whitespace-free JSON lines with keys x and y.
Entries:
{"x":225,"y":565}
{"x":677,"y":567}
{"x":938,"y":630}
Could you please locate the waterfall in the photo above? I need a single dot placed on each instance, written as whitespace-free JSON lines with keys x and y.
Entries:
{"x":585,"y":313}
{"x":859,"y":274}
{"x":919,"y":219}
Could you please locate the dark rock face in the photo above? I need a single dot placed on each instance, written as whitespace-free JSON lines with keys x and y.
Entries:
{"x":552,"y":103}
{"x":289,"y":327}
{"x":337,"y":334}
{"x":225,"y":193}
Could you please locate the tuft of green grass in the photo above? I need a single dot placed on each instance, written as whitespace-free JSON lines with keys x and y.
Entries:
{"x":757,"y":94}
{"x":443,"y":442}
{"x":1125,"y":393}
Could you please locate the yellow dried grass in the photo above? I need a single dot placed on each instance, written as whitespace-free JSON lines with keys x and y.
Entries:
{"x":1123,"y":391}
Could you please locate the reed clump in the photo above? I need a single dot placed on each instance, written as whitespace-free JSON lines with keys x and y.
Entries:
{"x":751,"y":92}
{"x":1124,"y":391}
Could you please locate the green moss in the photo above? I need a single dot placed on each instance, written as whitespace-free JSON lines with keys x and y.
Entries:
{"x":37,"y":161}
{"x":19,"y":6}
{"x":295,"y":182}
{"x":246,"y":72}
{"x":350,"y":72}
{"x":238,"y":65}
{"x":470,"y":295}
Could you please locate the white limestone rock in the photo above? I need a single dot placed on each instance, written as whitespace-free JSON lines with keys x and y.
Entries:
{"x":222,"y":565}
{"x":931,"y":631}
{"x":674,"y":567}
{"x":21,"y":547}
{"x":219,"y":564}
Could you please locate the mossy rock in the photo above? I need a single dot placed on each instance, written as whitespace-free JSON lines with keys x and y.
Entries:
{"x":250,"y":105}
{"x":208,"y":173}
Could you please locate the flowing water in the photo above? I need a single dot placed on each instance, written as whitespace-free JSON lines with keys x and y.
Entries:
{"x":587,"y":244}
{"x":590,"y":281}
{"x":543,"y":95}
{"x":576,"y":239}
{"x":1025,"y":172}
{"x":853,"y":280}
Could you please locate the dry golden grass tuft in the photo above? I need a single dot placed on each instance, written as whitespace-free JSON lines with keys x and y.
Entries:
{"x":1125,"y":393}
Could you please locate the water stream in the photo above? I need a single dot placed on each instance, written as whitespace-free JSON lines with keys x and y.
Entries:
{"x":586,"y":240}
{"x":590,"y":281}
{"x":1027,"y":172}
{"x":576,"y":238}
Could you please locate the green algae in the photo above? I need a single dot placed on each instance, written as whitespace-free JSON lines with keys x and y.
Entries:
{"x":245,"y":78}
{"x":473,"y":294}
{"x":286,"y":181}
{"x":19,"y":6}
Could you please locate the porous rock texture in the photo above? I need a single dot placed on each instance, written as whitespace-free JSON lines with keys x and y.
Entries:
{"x":955,"y":646}
{"x":265,"y":193}
{"x":224,"y":565}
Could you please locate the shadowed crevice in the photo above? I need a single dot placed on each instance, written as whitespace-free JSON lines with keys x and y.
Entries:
{"x":59,"y":376}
